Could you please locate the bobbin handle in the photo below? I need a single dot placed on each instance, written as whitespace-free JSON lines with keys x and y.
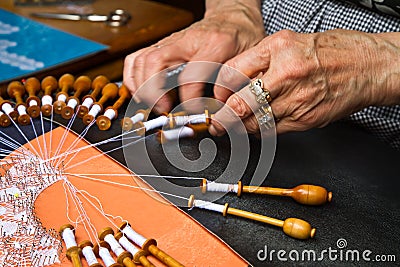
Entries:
{"x":164,"y":257}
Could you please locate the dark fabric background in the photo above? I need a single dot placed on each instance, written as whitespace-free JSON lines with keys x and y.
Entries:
{"x":362,"y":173}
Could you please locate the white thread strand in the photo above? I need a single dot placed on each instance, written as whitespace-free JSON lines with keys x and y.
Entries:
{"x":106,"y":256}
{"x":21,"y":110}
{"x":62,"y":98}
{"x":7,"y":108}
{"x":47,"y":100}
{"x":137,"y":117}
{"x":220,"y":187}
{"x":190,"y":119}
{"x":95,"y":110}
{"x":132,"y":235}
{"x":33,"y":102}
{"x":155,"y":123}
{"x":110,"y":113}
{"x":208,"y":205}
{"x":88,"y":102}
{"x":89,"y":255}
{"x":115,"y":246}
{"x":178,"y":133}
{"x":128,"y":245}
{"x":72,"y":103}
{"x":69,"y":238}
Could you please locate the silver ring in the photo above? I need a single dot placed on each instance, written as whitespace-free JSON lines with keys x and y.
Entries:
{"x":263,"y":96}
{"x":266,"y":117}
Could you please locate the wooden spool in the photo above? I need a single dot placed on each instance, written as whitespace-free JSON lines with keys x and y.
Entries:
{"x":81,"y":86}
{"x":104,"y":244}
{"x":97,"y":85}
{"x":66,"y":82}
{"x":140,"y":256}
{"x":150,"y":246}
{"x":32,"y":86}
{"x":87,"y":243}
{"x":104,"y":121}
{"x":305,"y":194}
{"x":127,"y":123}
{"x":74,"y":253}
{"x":5,"y":120}
{"x":109,"y":91}
{"x":49,"y":84}
{"x":17,"y":90}
{"x":293,"y":227}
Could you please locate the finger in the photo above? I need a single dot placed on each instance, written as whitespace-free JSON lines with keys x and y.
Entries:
{"x":249,"y":63}
{"x":128,"y":71}
{"x":238,"y":107}
{"x":192,"y":81}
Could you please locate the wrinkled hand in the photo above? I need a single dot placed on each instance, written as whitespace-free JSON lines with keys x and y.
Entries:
{"x":314,"y":79}
{"x":223,"y":33}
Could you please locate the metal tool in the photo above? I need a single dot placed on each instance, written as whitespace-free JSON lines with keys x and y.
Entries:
{"x":116,"y":18}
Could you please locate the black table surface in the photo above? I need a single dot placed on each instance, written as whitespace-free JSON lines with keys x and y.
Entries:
{"x":361,"y":171}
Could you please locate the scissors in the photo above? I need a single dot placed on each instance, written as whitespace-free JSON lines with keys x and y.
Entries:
{"x":116,"y":18}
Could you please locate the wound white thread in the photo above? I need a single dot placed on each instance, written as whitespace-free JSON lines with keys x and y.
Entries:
{"x":7,"y":108}
{"x":208,"y":205}
{"x":220,"y":187}
{"x":128,"y":245}
{"x":88,"y":102}
{"x":110,"y":113}
{"x":190,"y":119}
{"x":115,"y":246}
{"x":62,"y":97}
{"x":89,"y":255}
{"x":177,"y":133}
{"x":21,"y":110}
{"x":33,"y":102}
{"x":69,"y":238}
{"x":106,"y":256}
{"x":132,"y":235}
{"x":72,"y":103}
{"x":1,"y":113}
{"x":47,"y":100}
{"x":155,"y":123}
{"x":95,"y":110}
{"x":137,"y":117}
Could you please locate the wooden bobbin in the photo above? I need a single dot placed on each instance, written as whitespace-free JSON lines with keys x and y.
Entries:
{"x":49,"y":84}
{"x":128,"y":123}
{"x":125,"y":257}
{"x":305,"y":194}
{"x":190,"y":119}
{"x":150,"y":246}
{"x":16,"y":90}
{"x":104,"y":244}
{"x":81,"y":86}
{"x":109,"y":92}
{"x":5,"y":120}
{"x":293,"y":227}
{"x":97,"y":85}
{"x":87,"y":243}
{"x":32,"y":86}
{"x":104,"y":121}
{"x":74,"y":253}
{"x":140,"y":256}
{"x":66,"y":82}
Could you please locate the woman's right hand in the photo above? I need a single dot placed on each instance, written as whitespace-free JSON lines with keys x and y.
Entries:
{"x":228,"y":28}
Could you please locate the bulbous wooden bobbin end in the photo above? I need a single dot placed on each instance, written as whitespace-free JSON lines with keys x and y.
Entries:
{"x":59,"y":106}
{"x":298,"y":228}
{"x":33,"y":111}
{"x":126,"y":124}
{"x":5,"y":121}
{"x":82,"y":111}
{"x":24,"y":119}
{"x":103,"y":122}
{"x":46,"y":110}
